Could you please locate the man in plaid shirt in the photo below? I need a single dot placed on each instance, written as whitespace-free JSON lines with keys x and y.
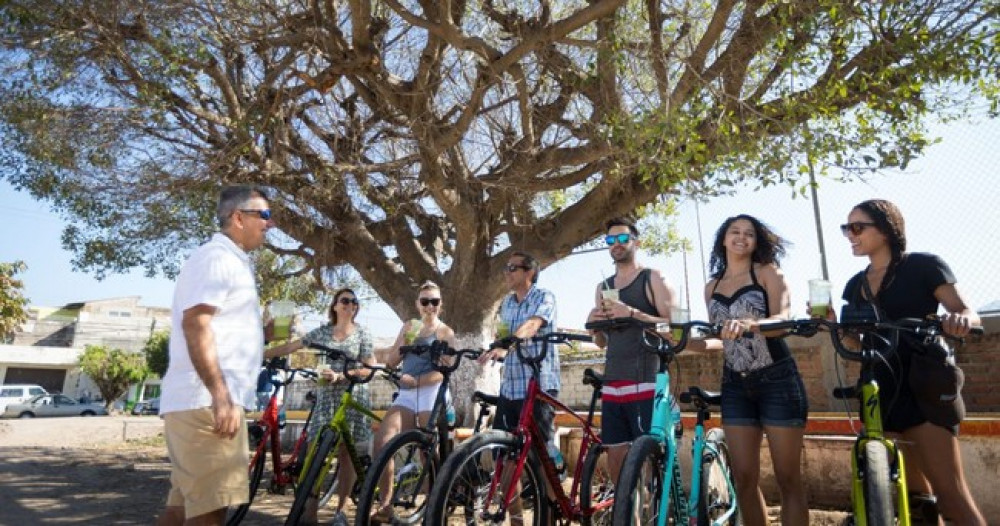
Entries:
{"x":528,"y":310}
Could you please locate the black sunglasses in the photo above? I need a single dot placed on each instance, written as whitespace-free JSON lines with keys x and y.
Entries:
{"x":430,"y":301}
{"x":514,"y":268}
{"x":855,"y":228}
{"x":620,"y":238}
{"x":348,"y":301}
{"x":264,"y":214}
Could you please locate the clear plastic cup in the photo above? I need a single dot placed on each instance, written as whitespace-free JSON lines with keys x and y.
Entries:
{"x":282,"y":312}
{"x":320,"y":379}
{"x":411,"y":335}
{"x":679,"y":315}
{"x":609,"y":294}
{"x":819,"y":297}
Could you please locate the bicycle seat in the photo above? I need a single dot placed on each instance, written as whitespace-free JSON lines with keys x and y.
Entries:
{"x":591,"y":377}
{"x":697,"y":393}
{"x":845,"y":393}
{"x":483,"y":398}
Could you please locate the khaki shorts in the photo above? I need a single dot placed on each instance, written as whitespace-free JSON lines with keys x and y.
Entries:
{"x":207,"y":472}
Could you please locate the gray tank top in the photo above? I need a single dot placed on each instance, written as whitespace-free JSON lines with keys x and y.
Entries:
{"x":416,"y":365}
{"x":625,"y":358}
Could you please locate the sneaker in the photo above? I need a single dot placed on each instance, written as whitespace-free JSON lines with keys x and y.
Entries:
{"x":339,"y":519}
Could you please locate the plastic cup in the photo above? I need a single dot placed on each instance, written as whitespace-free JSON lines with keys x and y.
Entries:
{"x":411,"y":335}
{"x":679,"y":315}
{"x":282,"y":312}
{"x":819,"y":297}
{"x":503,"y":330}
{"x":609,"y":294}
{"x":321,"y":380}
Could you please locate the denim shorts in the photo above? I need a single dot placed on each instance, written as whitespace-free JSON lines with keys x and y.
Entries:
{"x":625,"y":422}
{"x":772,"y":396}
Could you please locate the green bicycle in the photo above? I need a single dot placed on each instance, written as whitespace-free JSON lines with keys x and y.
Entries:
{"x":877,"y":465}
{"x":320,"y":467}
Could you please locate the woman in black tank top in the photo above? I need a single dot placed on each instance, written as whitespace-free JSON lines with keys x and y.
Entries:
{"x":762,"y":390}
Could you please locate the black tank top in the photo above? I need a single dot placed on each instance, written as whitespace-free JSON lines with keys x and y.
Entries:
{"x":750,"y":301}
{"x":626,"y":360}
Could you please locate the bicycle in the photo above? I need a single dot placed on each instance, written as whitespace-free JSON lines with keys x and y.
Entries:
{"x":320,"y":468}
{"x":652,"y":459}
{"x":414,"y":456}
{"x":877,"y":464}
{"x":266,"y":431}
{"x":494,"y":470}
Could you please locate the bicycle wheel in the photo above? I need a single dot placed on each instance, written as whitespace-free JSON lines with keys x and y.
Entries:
{"x":235,"y":515}
{"x":414,"y":466}
{"x":461,"y":491}
{"x":637,"y":500}
{"x":597,"y":488}
{"x":714,"y":495}
{"x":313,"y":471}
{"x":877,"y":488}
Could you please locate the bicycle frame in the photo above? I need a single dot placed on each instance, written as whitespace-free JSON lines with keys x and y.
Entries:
{"x":532,"y":440}
{"x":268,"y":421}
{"x":663,"y":423}
{"x":871,"y":420}
{"x":339,"y":425}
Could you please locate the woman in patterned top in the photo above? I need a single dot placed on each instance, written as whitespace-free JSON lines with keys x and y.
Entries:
{"x":341,"y":333}
{"x":762,"y":390}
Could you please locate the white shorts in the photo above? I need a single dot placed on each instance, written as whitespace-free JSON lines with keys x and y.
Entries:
{"x":419,"y":399}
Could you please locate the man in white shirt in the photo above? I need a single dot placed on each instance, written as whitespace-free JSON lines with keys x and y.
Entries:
{"x":215,"y":354}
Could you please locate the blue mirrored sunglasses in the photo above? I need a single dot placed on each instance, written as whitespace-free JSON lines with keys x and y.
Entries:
{"x":264,"y":214}
{"x":620,"y":238}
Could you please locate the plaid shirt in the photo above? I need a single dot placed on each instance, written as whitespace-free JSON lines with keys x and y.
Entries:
{"x":539,"y":303}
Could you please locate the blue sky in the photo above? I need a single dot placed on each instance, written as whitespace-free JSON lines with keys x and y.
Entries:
{"x":949,"y":198}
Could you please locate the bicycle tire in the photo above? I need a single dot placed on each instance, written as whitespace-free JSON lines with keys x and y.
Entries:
{"x":876,"y":485}
{"x":410,"y":448}
{"x":637,"y":500}
{"x":466,"y":476}
{"x":303,"y":490}
{"x":236,"y":515}
{"x":714,"y":496}
{"x":597,"y":488}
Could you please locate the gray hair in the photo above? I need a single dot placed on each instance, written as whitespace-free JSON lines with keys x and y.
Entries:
{"x":232,"y":198}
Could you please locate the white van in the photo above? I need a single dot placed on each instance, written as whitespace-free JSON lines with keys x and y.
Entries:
{"x":14,"y":393}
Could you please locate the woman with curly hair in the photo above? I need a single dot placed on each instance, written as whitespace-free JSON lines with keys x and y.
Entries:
{"x":762,"y":390}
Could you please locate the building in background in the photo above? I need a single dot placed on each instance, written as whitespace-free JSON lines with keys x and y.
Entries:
{"x":47,"y":349}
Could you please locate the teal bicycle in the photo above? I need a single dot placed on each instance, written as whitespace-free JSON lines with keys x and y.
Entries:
{"x":650,"y":489}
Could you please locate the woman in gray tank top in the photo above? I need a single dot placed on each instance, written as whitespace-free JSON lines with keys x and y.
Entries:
{"x":418,"y":384}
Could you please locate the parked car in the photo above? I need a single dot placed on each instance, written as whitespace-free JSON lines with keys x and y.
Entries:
{"x":52,"y":405}
{"x":147,"y":407}
{"x":16,"y":393}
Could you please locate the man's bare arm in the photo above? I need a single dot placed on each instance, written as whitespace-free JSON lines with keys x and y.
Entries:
{"x":200,"y":339}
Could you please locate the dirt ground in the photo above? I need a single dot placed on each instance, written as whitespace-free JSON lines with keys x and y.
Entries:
{"x":113,"y":470}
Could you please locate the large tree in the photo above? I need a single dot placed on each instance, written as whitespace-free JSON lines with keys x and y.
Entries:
{"x":426,"y":139}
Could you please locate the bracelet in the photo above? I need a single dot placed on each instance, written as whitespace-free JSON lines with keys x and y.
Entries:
{"x":631,"y":312}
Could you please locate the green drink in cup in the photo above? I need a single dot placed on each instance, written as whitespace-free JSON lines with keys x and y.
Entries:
{"x":678,"y":315}
{"x":819,"y":297}
{"x":282,"y":312}
{"x":503,"y":330}
{"x":411,"y":334}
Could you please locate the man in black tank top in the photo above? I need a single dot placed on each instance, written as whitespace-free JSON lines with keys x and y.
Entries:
{"x":629,"y":371}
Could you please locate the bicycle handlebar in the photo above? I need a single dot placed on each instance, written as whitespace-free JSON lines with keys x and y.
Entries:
{"x":348,"y":361}
{"x":552,"y":338}
{"x":924,"y":328}
{"x":651,"y":339}
{"x":439,"y":349}
{"x":280,"y":363}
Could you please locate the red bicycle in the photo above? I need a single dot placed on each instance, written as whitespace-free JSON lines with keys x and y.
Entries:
{"x":265,"y":432}
{"x":495,"y":476}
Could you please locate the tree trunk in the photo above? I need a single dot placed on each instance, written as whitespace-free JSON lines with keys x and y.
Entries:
{"x":471,"y":377}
